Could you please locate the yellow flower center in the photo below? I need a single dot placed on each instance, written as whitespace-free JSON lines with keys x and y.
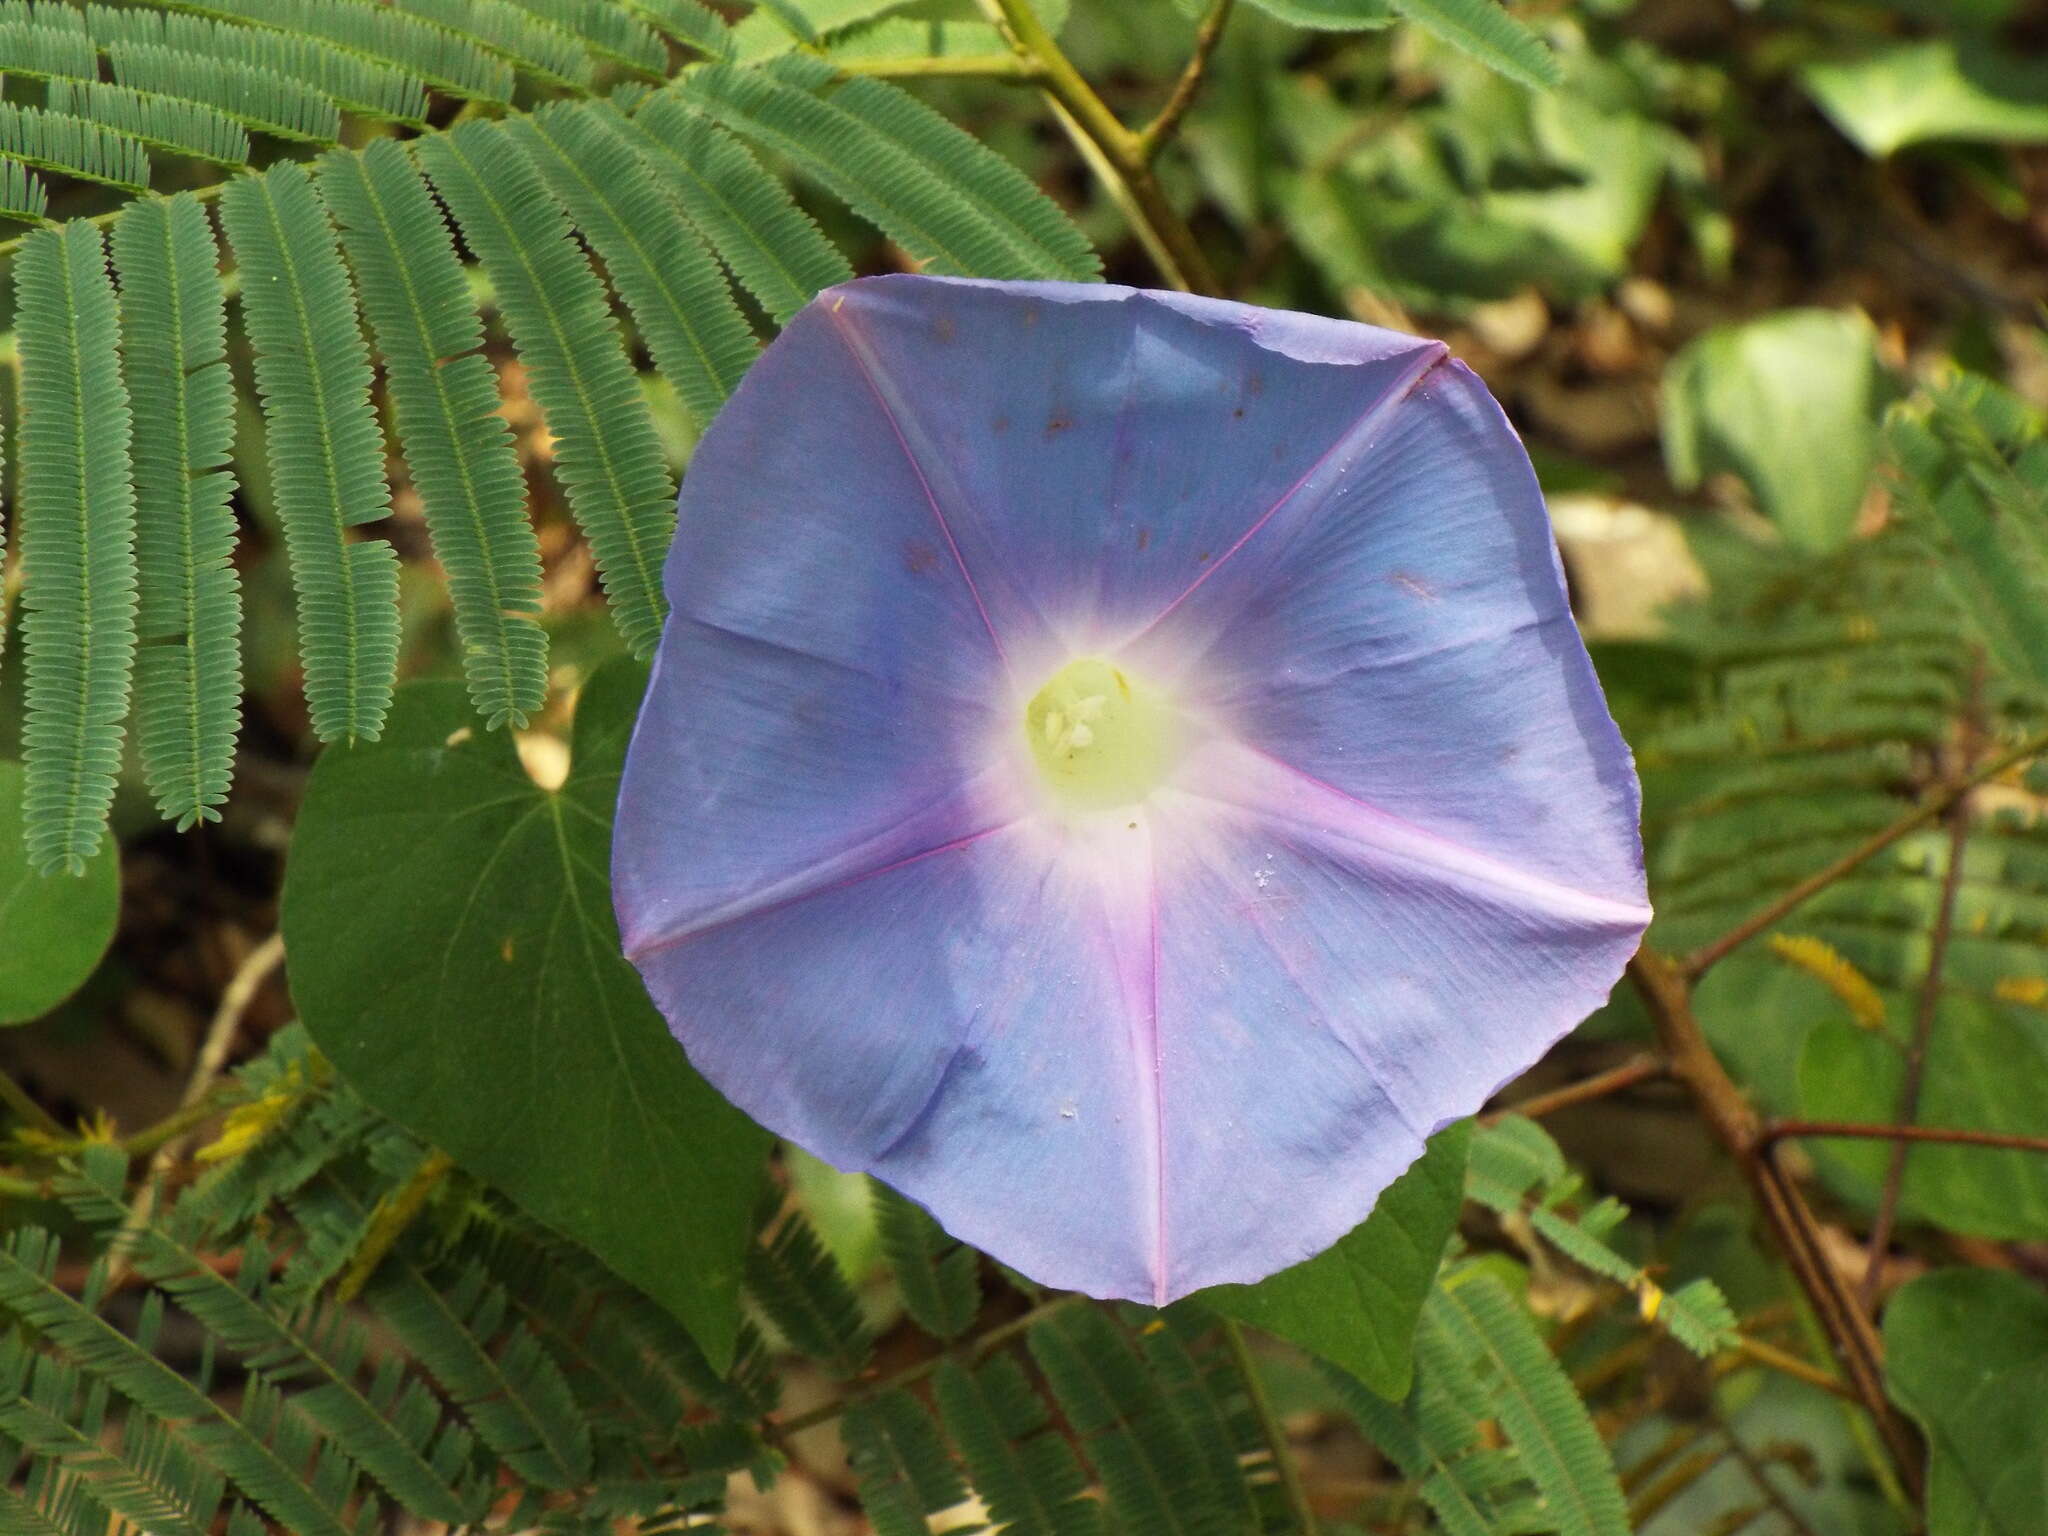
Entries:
{"x":1101,"y":738}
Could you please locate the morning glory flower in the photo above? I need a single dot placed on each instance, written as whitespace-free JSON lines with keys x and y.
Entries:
{"x":1120,"y":768}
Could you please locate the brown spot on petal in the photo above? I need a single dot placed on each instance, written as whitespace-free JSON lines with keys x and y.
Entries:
{"x":1413,"y":585}
{"x":1057,"y":424}
{"x":918,"y":556}
{"x":1144,"y":539}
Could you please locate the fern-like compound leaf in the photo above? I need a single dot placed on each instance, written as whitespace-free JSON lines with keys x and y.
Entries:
{"x":242,"y":1449}
{"x":174,"y":341}
{"x":945,"y":198}
{"x":608,"y":29}
{"x":1536,"y":1404}
{"x":46,"y":42}
{"x":529,"y":43}
{"x":901,"y":1462}
{"x":772,"y":246}
{"x":606,"y":450}
{"x":77,"y":541}
{"x":1493,"y":37}
{"x":261,"y":100}
{"x":444,"y":399}
{"x":678,"y":296}
{"x":22,"y":196}
{"x":326,"y":453}
{"x":73,"y":146}
{"x":936,"y":1275}
{"x":160,"y":122}
{"x":1021,"y":1467}
{"x":401,"y":41}
{"x":690,"y":22}
{"x":799,"y":1286}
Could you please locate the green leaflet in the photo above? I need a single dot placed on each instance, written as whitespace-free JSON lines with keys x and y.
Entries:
{"x":901,"y":1462}
{"x":605,"y":448}
{"x":256,"y":1450}
{"x":1536,"y":1405}
{"x":46,"y":41}
{"x":174,"y":340}
{"x":680,"y":303}
{"x":1493,"y":37}
{"x":804,"y":1295}
{"x":160,"y":122}
{"x":936,"y":1275}
{"x":690,"y":22}
{"x":441,"y":58}
{"x":73,"y":146}
{"x":444,"y":397}
{"x":261,"y":100}
{"x":326,"y":452}
{"x":56,"y":930}
{"x":1020,"y":1464}
{"x":608,"y":29}
{"x":947,"y":199}
{"x":772,"y":246}
{"x":22,"y":196}
{"x":77,"y":538}
{"x":525,"y":41}
{"x":1356,"y":1303}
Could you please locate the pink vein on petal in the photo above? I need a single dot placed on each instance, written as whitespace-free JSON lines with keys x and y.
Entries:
{"x":1356,"y":440}
{"x":871,"y":373}
{"x":1130,"y":895}
{"x":756,"y":905}
{"x":1254,"y":781}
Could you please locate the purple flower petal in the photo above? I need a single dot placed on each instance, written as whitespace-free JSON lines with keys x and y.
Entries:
{"x":1120,"y":768}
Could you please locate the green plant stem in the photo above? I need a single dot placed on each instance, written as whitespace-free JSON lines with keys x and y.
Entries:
{"x":186,"y":1117}
{"x":1186,"y":268}
{"x":1269,"y":1426}
{"x":1696,"y":964}
{"x":15,"y":1187}
{"x":1154,"y":135}
{"x":973,"y":1349}
{"x":964,"y":66}
{"x":27,"y":1110}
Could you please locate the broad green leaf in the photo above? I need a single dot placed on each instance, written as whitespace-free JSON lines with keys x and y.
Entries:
{"x":1985,"y":1071}
{"x":1966,"y":1354}
{"x":57,"y":926}
{"x":453,"y":951}
{"x":1790,"y":402}
{"x":1355,"y":1304}
{"x":1909,"y":93}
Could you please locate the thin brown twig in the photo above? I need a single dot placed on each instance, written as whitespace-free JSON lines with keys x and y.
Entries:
{"x":1928,"y":1003}
{"x":1945,"y":1135}
{"x":1665,"y":990}
{"x":1760,"y":1352}
{"x":1154,"y":135}
{"x":1696,"y":964}
{"x":1637,"y":1069}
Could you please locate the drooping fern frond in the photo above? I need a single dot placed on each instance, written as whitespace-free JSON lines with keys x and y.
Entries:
{"x":946,"y":199}
{"x":77,"y":541}
{"x":174,"y":344}
{"x":165,"y":123}
{"x":444,"y":399}
{"x":326,"y":453}
{"x":772,"y":246}
{"x":22,"y":196}
{"x":261,"y":100}
{"x":678,"y":297}
{"x":73,"y":146}
{"x":1535,"y":1402}
{"x":606,"y":451}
